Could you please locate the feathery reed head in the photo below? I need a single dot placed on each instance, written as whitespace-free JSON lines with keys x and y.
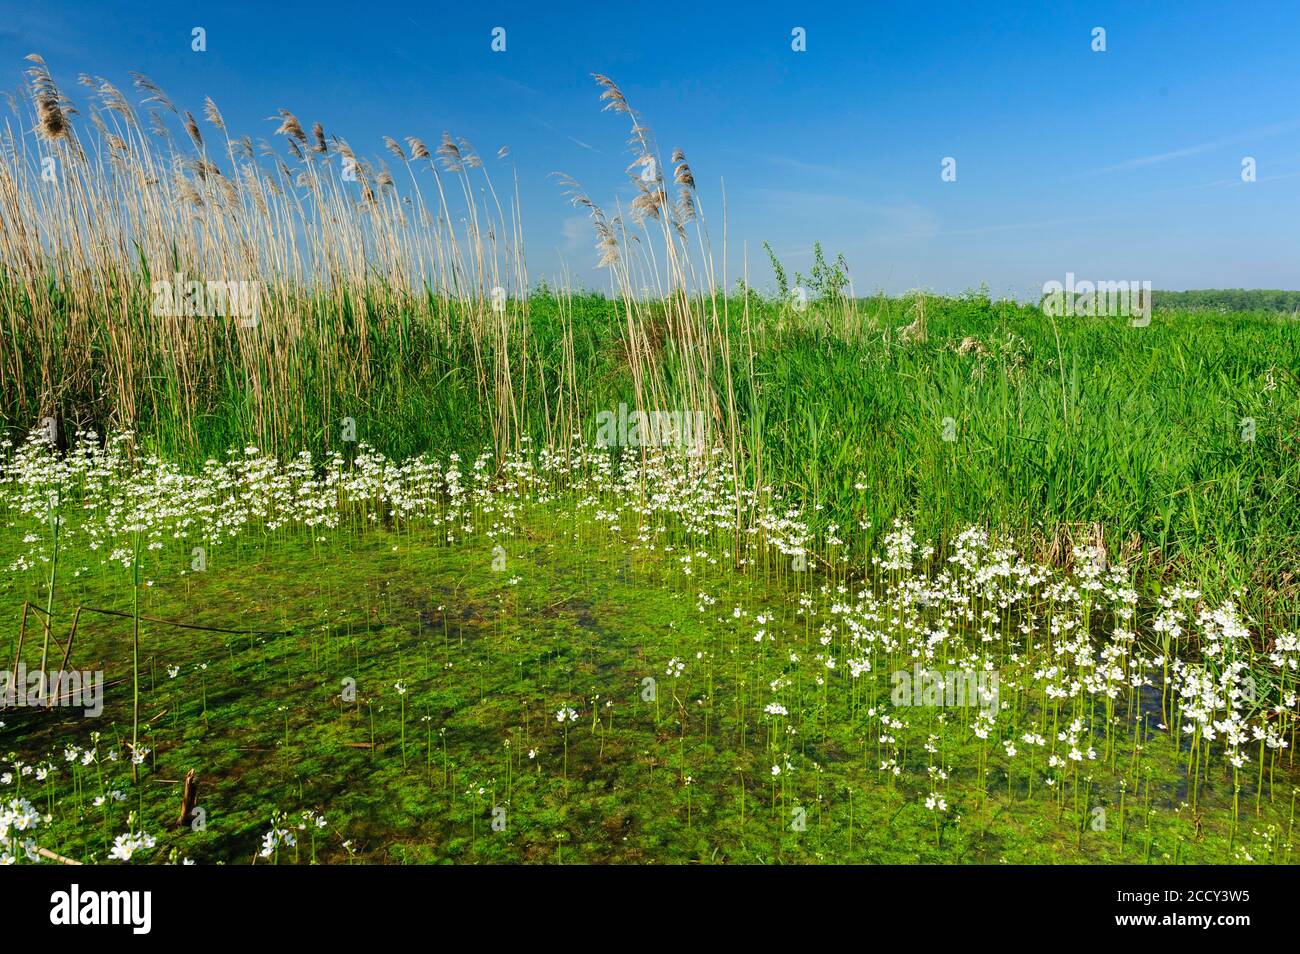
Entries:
{"x":289,"y":126}
{"x":52,"y":109}
{"x":611,"y":96}
{"x":418,"y":149}
{"x":449,"y":153}
{"x":212,"y":114}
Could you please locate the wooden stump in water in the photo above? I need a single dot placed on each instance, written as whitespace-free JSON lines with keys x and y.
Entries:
{"x":189,"y":795}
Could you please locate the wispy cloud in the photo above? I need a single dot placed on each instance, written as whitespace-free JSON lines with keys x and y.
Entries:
{"x":1227,"y":183}
{"x":28,"y":31}
{"x":573,"y":139}
{"x":1026,"y":226}
{"x":800,"y":165}
{"x":899,"y":218}
{"x":575,"y":234}
{"x":1140,"y":162}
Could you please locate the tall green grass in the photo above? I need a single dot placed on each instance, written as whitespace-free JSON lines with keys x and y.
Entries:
{"x":1141,"y":431}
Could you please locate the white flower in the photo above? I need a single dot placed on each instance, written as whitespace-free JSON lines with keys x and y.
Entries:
{"x":126,"y":845}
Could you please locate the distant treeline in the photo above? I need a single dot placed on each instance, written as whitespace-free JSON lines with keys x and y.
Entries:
{"x":1227,"y":299}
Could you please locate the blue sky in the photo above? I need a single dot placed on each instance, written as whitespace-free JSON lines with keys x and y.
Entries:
{"x":1117,"y":165}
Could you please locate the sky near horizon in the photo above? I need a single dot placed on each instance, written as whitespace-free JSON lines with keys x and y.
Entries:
{"x":1117,"y":165}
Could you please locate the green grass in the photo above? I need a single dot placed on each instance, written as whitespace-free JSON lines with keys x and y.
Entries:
{"x":1138,"y":429}
{"x":1142,"y":430}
